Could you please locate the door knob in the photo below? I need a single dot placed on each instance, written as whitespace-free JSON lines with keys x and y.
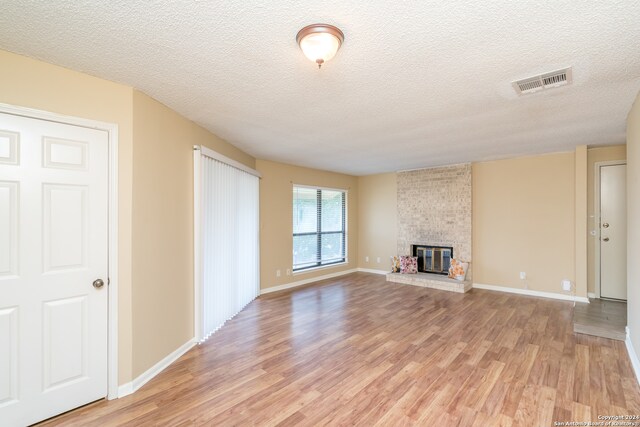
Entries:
{"x":606,"y":239}
{"x":605,"y":225}
{"x":98,"y":283}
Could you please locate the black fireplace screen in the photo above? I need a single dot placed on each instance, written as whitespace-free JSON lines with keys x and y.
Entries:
{"x":433,"y":259}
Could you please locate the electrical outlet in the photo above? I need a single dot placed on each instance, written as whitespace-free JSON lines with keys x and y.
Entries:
{"x":288,"y":272}
{"x":378,"y":260}
{"x":277,"y":273}
{"x":523,"y":275}
{"x":366,"y":259}
{"x":566,"y":285}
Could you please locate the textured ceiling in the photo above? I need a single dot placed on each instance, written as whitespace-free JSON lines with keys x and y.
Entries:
{"x":416,"y":84}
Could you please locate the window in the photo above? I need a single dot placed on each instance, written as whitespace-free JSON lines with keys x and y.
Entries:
{"x":319,"y":232}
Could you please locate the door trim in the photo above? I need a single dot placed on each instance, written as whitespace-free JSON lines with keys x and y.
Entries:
{"x":112,"y":261}
{"x":596,"y":219}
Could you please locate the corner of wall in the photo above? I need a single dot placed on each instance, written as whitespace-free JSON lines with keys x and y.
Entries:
{"x":377,"y":221}
{"x":276,"y":225}
{"x":633,"y":356}
{"x":633,"y":225}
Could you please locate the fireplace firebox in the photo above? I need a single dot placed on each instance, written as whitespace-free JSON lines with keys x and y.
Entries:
{"x":433,"y":259}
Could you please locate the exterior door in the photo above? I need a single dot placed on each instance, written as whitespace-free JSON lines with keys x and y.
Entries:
{"x":53,"y":246}
{"x":613,"y":232}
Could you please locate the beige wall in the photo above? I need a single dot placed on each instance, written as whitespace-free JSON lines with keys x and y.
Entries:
{"x":377,"y":220}
{"x":276,"y":213}
{"x":597,"y":154}
{"x":633,"y":224}
{"x":524,"y":220}
{"x":523,"y":209}
{"x":154,"y":198}
{"x":35,"y":84}
{"x":163,"y":227}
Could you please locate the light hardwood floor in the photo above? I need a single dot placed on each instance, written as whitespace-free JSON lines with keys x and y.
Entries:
{"x":357,"y":350}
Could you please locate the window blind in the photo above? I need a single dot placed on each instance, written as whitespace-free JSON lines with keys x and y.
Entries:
{"x":227,"y":242}
{"x":319,"y":227}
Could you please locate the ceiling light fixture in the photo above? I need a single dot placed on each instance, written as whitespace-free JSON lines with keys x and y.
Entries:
{"x":320,"y":42}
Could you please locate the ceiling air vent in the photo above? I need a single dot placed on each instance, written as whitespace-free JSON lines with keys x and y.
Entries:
{"x":543,"y":81}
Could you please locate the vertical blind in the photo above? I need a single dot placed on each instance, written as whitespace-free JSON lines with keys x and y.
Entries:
{"x":228,"y":273}
{"x":319,"y":228}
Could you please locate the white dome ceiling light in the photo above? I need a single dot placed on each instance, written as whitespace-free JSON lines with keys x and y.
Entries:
{"x":320,"y":42}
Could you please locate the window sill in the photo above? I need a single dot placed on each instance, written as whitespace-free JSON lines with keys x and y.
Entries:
{"x":321,"y":267}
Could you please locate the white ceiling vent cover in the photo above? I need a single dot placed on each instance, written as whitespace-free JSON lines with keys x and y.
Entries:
{"x":543,"y":81}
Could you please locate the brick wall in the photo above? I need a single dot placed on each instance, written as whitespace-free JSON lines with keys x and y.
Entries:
{"x":434,"y":206}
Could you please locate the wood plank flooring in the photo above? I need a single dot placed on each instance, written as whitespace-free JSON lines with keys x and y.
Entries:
{"x":357,"y":350}
{"x":601,"y":318}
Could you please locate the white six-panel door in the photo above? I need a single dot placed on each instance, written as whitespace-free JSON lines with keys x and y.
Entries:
{"x":613,"y":231}
{"x":53,"y":246}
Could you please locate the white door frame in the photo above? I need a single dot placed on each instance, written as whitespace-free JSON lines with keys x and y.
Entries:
{"x":596,"y":214}
{"x":112,"y":288}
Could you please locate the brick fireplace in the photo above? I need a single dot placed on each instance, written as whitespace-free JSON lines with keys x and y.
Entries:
{"x":434,"y":207}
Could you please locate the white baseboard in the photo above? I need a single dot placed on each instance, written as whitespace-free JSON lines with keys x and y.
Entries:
{"x":372,"y":270}
{"x":531,"y":293}
{"x":591,"y":295}
{"x":125,"y":389}
{"x":145,"y":377}
{"x":635,"y":363}
{"x":305,"y":281}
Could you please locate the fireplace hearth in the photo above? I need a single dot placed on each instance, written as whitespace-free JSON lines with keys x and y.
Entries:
{"x":432,"y":259}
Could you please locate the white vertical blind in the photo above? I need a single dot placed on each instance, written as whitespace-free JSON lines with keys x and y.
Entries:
{"x":227,"y":242}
